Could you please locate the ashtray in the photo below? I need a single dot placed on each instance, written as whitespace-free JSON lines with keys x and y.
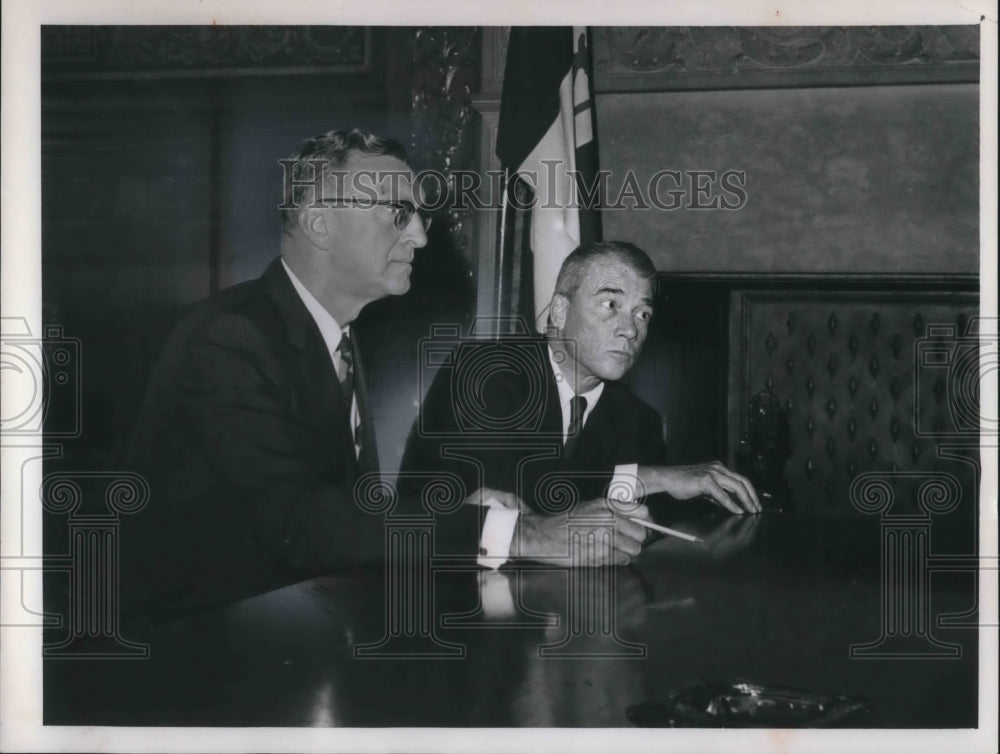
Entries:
{"x":740,"y":704}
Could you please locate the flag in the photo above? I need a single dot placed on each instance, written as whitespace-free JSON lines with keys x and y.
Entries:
{"x":546,"y":133}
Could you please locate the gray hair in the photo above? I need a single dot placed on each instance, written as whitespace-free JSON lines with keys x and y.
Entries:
{"x":578,"y":264}
{"x":333,"y":149}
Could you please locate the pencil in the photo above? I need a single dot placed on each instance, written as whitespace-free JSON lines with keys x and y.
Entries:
{"x":664,"y":529}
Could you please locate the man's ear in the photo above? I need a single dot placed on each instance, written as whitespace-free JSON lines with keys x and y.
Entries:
{"x":557,"y":310}
{"x":313,"y":223}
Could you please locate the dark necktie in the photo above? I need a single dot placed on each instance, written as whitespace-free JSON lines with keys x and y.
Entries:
{"x":346,"y":377}
{"x":577,"y":407}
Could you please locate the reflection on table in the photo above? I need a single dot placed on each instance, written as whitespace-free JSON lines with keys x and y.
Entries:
{"x":775,"y":599}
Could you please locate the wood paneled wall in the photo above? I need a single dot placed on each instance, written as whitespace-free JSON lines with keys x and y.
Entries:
{"x":854,"y":160}
{"x":160,"y":181}
{"x":879,"y":180}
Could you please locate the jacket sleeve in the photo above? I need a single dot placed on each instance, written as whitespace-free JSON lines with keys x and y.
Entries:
{"x":427,"y":460}
{"x":654,"y":447}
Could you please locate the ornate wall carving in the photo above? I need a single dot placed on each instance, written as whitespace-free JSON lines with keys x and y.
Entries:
{"x":495,"y":39}
{"x":664,"y":58}
{"x":445,"y":73}
{"x":130,"y":51}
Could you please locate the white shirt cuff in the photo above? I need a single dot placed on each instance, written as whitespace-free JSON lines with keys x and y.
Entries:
{"x":498,"y":533}
{"x":622,"y":489}
{"x":495,"y":594}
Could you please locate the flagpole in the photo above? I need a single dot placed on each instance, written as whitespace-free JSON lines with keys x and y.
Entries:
{"x":503,"y":245}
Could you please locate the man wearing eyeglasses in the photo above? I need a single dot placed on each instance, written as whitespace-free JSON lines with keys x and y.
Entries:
{"x":255,"y":430}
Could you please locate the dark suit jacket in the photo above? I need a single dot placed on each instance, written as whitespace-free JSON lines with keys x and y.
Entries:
{"x":245,"y":439}
{"x":492,"y":417}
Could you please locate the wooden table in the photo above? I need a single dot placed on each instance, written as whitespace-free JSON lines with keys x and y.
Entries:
{"x":775,"y":599}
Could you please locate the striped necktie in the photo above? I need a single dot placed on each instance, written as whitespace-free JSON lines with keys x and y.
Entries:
{"x":346,"y":374}
{"x":346,"y":377}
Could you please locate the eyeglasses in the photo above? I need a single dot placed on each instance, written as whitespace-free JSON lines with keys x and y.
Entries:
{"x":402,"y":211}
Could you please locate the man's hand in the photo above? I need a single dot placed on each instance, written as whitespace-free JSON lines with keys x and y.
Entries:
{"x":603,"y":535}
{"x":485,"y":494}
{"x":727,"y":488}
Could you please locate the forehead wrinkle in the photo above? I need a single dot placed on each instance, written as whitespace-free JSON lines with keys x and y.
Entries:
{"x":388,"y":176}
{"x":397,"y":179}
{"x":644,"y":300}
{"x":618,"y":281}
{"x":609,"y":289}
{"x":605,"y":280}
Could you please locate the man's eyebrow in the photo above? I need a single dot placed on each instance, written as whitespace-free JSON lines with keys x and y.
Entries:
{"x":608,"y":289}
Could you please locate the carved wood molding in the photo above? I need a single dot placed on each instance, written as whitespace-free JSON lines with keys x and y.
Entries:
{"x":827,"y":280}
{"x":495,"y":39}
{"x":82,"y":52}
{"x":445,"y":73}
{"x":652,"y":58}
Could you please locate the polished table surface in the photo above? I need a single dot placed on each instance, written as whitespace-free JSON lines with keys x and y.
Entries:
{"x":775,"y":599}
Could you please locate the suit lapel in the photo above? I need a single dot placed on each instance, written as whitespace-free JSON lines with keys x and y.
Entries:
{"x":323,"y":403}
{"x":552,"y":420}
{"x":369,"y":450}
{"x":597,"y":429}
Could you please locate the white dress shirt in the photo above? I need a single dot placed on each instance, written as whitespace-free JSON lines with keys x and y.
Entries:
{"x":332,"y":332}
{"x":498,"y":530}
{"x":501,"y":523}
{"x":566,"y":395}
{"x":625,"y":478}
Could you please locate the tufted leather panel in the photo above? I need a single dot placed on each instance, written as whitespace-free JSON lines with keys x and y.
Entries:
{"x":861,"y":394}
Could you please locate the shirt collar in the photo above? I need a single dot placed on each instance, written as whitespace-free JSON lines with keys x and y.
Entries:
{"x":328,"y":327}
{"x":566,"y":392}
